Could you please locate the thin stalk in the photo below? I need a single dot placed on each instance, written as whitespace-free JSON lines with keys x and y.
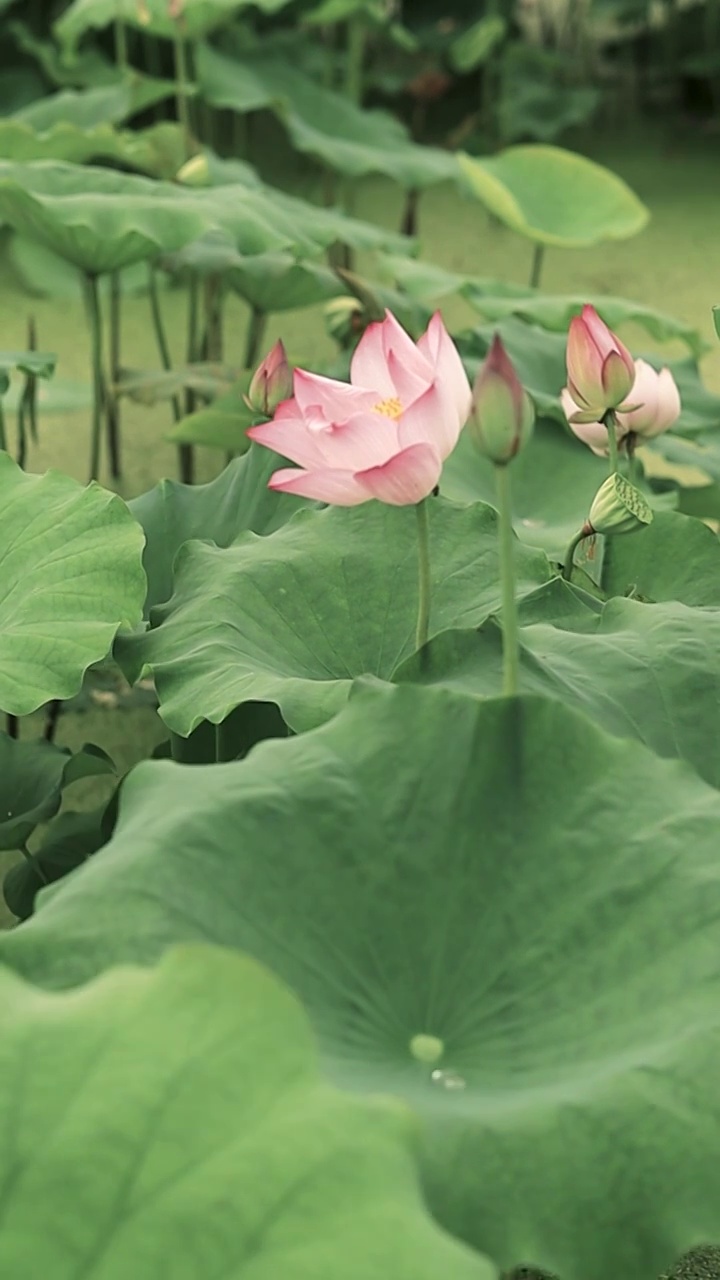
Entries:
{"x":423,"y":535}
{"x":121,"y":45}
{"x":356,"y":40}
{"x":511,"y":645}
{"x":185,"y":458}
{"x":3,"y":433}
{"x":33,"y":862}
{"x":409,"y":225}
{"x":213,"y":303}
{"x":12,"y":725}
{"x":193,"y":339}
{"x":32,"y":383}
{"x":610,"y":422}
{"x":181,"y":90}
{"x":223,"y":750}
{"x":112,"y":402}
{"x":92,"y":294}
{"x":21,"y":458}
{"x":255,"y":333}
{"x":54,"y":712}
{"x":537,"y":266}
{"x":569,"y":562}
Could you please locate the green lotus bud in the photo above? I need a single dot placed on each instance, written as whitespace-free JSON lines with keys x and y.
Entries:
{"x":195,"y":172}
{"x":502,"y":415}
{"x":618,"y":507}
{"x":272,"y":382}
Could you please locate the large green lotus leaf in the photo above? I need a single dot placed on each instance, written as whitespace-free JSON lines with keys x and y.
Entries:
{"x":294,"y":617}
{"x":540,"y":897}
{"x":72,"y":838}
{"x":198,"y":16}
{"x":676,"y":558}
{"x":278,"y":282}
{"x":347,"y":138}
{"x":238,"y":500}
{"x":47,"y":275}
{"x":553,"y":196}
{"x":60,"y":603}
{"x":639,"y":671}
{"x":99,"y":219}
{"x":157,"y":151}
{"x":553,"y":482}
{"x":206,"y":1142}
{"x":555,"y":312}
{"x":106,"y":104}
{"x":33,"y":775}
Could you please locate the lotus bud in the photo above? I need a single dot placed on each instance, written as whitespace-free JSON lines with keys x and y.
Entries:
{"x":195,"y":172}
{"x":600,"y":369}
{"x":618,"y":507}
{"x":503,"y":415}
{"x":272,"y":382}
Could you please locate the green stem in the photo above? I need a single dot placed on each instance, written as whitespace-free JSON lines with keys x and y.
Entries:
{"x":112,"y":406}
{"x":610,"y":422}
{"x":223,"y":750}
{"x":185,"y":452}
{"x":569,"y":562}
{"x":256,"y":330}
{"x":3,"y":434}
{"x":511,"y":648}
{"x":537,"y":266}
{"x":356,"y":39}
{"x":181,"y":90}
{"x":121,"y":45}
{"x":33,"y":862}
{"x":96,"y":347}
{"x":423,"y":534}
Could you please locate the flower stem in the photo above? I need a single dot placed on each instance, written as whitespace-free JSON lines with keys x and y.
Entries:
{"x":610,"y":422}
{"x":507,"y":583}
{"x":570,"y":555}
{"x":423,"y":532}
{"x":181,"y":91}
{"x":95,"y":322}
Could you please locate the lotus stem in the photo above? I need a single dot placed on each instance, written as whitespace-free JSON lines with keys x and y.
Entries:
{"x":181,"y":90}
{"x":537,"y":266}
{"x":409,"y":225}
{"x":27,"y":405}
{"x":121,"y":45}
{"x":511,"y":644}
{"x":569,"y":562}
{"x":33,"y":862}
{"x":610,"y":422}
{"x":424,"y":585}
{"x":186,"y":460}
{"x":54,"y":712}
{"x":256,"y":331}
{"x":92,"y":295}
{"x":12,"y":725}
{"x":356,"y":40}
{"x":223,"y":750}
{"x":3,"y":433}
{"x":112,"y":405}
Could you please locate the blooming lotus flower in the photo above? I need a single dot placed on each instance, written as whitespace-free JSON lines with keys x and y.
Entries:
{"x":656,"y":405}
{"x":386,"y":433}
{"x":502,"y":411}
{"x":600,"y":368}
{"x":272,"y":382}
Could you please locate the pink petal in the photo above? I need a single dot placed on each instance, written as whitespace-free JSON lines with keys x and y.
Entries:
{"x":617,"y":379}
{"x":432,"y":419}
{"x":669,"y":403}
{"x":337,"y":401}
{"x":584,"y":365}
{"x":368,"y":367}
{"x":408,"y":385}
{"x":291,"y":438}
{"x":442,"y":353}
{"x":327,"y":485}
{"x":367,"y":440}
{"x":406,"y":478}
{"x":602,"y":337}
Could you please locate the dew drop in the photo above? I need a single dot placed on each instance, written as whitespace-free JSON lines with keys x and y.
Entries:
{"x":446,"y":1078}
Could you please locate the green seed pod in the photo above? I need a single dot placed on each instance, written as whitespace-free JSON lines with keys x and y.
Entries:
{"x":618,"y":507}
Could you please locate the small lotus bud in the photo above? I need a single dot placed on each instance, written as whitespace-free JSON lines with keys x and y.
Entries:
{"x":272,"y":382}
{"x":600,"y":369}
{"x":618,"y":507}
{"x":195,"y":172}
{"x":502,"y":415}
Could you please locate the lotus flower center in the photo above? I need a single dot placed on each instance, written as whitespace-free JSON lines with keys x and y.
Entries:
{"x":390,"y":408}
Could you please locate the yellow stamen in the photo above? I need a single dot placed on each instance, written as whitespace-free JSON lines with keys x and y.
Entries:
{"x":391,"y":408}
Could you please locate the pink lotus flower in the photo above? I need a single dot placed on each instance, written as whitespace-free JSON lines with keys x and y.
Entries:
{"x":271,"y":383}
{"x":386,"y":433}
{"x":600,"y":369}
{"x":656,"y":406}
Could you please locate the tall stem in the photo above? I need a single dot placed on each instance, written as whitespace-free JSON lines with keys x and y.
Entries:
{"x":256,"y":329}
{"x":3,"y":434}
{"x":121,"y":45}
{"x":610,"y":422}
{"x":181,"y":90}
{"x":112,"y":407}
{"x":511,"y":649}
{"x":356,"y":39}
{"x":185,"y":454}
{"x":569,"y":562}
{"x":423,"y":535}
{"x":96,"y":347}
{"x":537,"y":266}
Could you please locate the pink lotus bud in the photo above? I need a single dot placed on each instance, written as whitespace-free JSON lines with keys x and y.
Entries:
{"x":655,"y":399}
{"x":601,"y":370}
{"x":502,"y":412}
{"x":272,"y":382}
